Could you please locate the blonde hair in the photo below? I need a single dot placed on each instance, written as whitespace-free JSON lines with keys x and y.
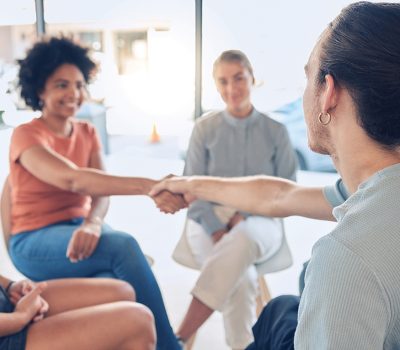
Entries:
{"x":234,"y":56}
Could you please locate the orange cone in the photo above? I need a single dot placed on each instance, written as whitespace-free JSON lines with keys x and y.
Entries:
{"x":154,"y":136}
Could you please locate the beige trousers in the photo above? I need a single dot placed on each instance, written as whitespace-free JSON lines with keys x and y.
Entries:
{"x":228,"y":277}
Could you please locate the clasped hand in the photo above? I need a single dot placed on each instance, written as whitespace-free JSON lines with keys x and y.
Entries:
{"x":167,"y":187}
{"x":25,"y":295}
{"x":166,"y":200}
{"x":233,"y":221}
{"x":169,"y":202}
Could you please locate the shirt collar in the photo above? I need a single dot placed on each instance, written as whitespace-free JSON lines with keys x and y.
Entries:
{"x":340,"y":211}
{"x":241,"y":122}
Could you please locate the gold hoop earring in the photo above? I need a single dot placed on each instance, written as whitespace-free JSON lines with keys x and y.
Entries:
{"x":324,"y":114}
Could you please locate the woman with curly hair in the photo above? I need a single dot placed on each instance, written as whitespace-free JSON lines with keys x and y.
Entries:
{"x":60,"y":189}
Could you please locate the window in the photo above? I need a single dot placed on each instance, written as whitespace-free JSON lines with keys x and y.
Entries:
{"x":276,"y":36}
{"x":146,"y":55}
{"x":17,"y":33}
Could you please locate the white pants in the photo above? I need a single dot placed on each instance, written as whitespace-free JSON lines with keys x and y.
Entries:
{"x":228,"y":278}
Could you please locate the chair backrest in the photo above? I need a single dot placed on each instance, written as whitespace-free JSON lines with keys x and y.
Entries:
{"x":281,"y":260}
{"x":182,"y":253}
{"x":5,"y":211}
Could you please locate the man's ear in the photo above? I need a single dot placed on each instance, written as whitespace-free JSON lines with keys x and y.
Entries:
{"x":330,"y":94}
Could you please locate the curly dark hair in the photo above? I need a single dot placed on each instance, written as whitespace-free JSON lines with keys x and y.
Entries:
{"x":362,"y":53}
{"x":43,"y":59}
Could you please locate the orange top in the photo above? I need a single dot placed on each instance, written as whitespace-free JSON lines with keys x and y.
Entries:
{"x":36,"y":204}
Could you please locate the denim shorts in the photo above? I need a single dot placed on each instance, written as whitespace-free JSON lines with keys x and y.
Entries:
{"x":16,"y":341}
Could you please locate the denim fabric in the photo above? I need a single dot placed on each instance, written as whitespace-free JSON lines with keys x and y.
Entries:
{"x":276,"y":325}
{"x":41,"y":255}
{"x":15,"y":341}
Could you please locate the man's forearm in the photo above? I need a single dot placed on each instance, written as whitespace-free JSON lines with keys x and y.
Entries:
{"x":256,"y":194}
{"x":260,"y":195}
{"x":263,"y":195}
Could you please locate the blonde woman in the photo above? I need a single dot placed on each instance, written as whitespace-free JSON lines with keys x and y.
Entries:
{"x":226,"y":243}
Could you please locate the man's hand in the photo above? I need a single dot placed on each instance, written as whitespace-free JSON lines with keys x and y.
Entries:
{"x":175,"y":185}
{"x":168,"y":202}
{"x":84,"y":241}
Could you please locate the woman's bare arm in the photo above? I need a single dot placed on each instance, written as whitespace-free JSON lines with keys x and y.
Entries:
{"x":5,"y":204}
{"x":52,"y":168}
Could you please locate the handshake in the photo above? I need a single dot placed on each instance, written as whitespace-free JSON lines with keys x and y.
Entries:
{"x":172,"y":194}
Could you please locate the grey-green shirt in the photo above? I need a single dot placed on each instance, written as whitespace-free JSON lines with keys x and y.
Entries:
{"x":222,"y":145}
{"x":351,"y":298}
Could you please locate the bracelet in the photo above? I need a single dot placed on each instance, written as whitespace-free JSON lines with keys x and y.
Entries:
{"x":9,"y":286}
{"x":95,"y":220}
